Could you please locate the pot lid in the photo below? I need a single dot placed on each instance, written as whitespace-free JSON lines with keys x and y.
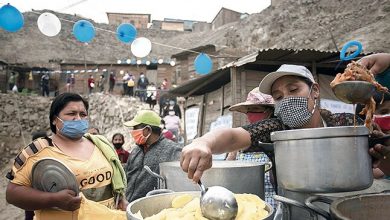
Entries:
{"x":51,"y":175}
{"x":315,"y":133}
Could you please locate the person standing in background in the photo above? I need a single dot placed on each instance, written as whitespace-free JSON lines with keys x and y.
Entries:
{"x":125,"y":80}
{"x":172,"y":123}
{"x":12,"y":81}
{"x":45,"y":84}
{"x":164,"y":84}
{"x":142,"y":84}
{"x":257,"y":107}
{"x":118,"y":140}
{"x":130,"y":85}
{"x":112,"y":82}
{"x":151,"y":149}
{"x":91,"y":83}
{"x":70,"y":81}
{"x":151,"y":95}
{"x":101,"y":83}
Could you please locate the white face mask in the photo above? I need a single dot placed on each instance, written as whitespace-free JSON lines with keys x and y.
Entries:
{"x":171,"y":113}
{"x":294,"y":112}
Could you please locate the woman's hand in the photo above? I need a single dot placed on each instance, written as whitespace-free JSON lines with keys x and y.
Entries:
{"x":376,"y":63}
{"x":195,"y":159}
{"x":67,"y":200}
{"x":123,"y":203}
{"x":381,"y":155}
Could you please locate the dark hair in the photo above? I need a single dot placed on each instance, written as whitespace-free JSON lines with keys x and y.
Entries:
{"x":306,"y":80}
{"x":155,"y":129}
{"x":118,"y":134}
{"x":60,"y":102}
{"x":38,"y":134}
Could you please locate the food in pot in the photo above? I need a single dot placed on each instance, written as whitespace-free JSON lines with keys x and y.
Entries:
{"x":250,"y":207}
{"x":358,"y":72}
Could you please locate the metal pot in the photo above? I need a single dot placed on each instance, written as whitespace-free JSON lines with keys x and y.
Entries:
{"x":154,"y":204}
{"x":229,"y":174}
{"x":332,"y":159}
{"x":299,"y":205}
{"x":360,"y":207}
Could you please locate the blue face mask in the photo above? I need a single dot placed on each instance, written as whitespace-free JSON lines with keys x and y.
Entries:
{"x":74,"y":129}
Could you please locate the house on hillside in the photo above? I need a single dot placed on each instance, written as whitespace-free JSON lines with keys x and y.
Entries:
{"x":185,"y":69}
{"x":225,"y":16}
{"x":172,"y":25}
{"x":138,"y":20}
{"x":28,"y":77}
{"x":201,"y":26}
{"x":209,"y":97}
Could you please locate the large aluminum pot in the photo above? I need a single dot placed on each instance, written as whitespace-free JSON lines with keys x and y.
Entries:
{"x":237,"y":176}
{"x":331,"y":159}
{"x":360,"y":207}
{"x":154,"y":204}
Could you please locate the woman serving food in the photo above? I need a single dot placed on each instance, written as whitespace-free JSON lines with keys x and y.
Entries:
{"x":296,"y":96}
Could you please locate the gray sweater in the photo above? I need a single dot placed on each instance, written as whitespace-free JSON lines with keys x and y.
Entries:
{"x":139,"y":182}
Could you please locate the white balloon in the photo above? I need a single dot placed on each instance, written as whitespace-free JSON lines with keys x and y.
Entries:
{"x":49,"y":24}
{"x":141,"y":47}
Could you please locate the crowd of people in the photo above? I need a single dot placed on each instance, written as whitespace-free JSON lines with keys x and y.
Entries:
{"x":285,"y":99}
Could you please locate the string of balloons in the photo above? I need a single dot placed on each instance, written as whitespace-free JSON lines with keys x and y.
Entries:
{"x":12,"y":20}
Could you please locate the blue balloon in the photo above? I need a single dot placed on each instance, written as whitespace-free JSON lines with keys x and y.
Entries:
{"x":203,"y":64}
{"x":354,"y":54}
{"x":83,"y":31}
{"x":10,"y":18}
{"x":126,"y":33}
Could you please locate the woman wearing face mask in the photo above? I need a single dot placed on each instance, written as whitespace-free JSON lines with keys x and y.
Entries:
{"x":257,"y":107}
{"x":118,"y":140}
{"x":151,"y":149}
{"x":89,"y":157}
{"x":296,"y":97}
{"x":172,"y":123}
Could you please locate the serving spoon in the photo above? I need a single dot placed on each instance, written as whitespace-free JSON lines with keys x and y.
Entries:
{"x":217,"y":203}
{"x":354,"y":92}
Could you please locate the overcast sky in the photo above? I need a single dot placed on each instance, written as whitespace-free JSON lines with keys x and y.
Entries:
{"x":201,"y":10}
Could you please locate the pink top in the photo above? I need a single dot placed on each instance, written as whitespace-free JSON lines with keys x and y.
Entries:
{"x":172,"y":121}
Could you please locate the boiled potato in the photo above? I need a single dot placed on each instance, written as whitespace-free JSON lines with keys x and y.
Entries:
{"x":182,"y":200}
{"x":250,"y":207}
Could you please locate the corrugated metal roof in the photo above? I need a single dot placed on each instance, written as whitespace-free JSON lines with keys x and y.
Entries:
{"x":197,"y":49}
{"x":273,"y":54}
{"x":203,"y":84}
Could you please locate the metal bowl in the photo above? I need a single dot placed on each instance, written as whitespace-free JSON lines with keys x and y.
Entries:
{"x":353,"y":92}
{"x":370,"y":206}
{"x":154,"y":204}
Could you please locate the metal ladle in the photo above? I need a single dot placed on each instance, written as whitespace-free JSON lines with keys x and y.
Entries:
{"x":354,"y":92}
{"x":217,"y":203}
